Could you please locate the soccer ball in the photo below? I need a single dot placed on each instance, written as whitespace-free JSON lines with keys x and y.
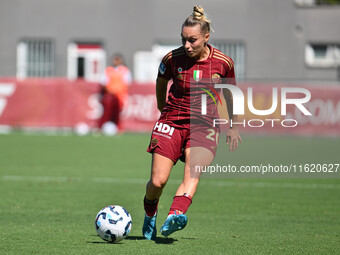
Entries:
{"x":109,"y":128}
{"x":113,"y":223}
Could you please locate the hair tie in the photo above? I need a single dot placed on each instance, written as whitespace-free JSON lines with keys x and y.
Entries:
{"x":199,"y":12}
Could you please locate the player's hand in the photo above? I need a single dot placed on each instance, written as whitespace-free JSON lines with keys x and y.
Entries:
{"x":233,"y":138}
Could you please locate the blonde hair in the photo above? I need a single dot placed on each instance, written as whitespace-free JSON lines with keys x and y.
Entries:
{"x":198,"y":18}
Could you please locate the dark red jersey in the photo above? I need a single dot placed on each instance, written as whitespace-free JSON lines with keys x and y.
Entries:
{"x":189,"y":76}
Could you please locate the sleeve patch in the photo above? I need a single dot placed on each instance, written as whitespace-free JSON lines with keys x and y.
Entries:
{"x":162,"y":68}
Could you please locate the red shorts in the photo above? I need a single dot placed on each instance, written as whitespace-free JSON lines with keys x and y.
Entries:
{"x":170,"y":140}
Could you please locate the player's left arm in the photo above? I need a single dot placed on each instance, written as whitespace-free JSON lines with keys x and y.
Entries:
{"x":233,"y":135}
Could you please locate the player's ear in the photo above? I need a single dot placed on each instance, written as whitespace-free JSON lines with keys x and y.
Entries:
{"x":206,"y":37}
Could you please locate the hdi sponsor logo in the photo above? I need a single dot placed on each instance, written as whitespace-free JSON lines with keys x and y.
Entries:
{"x":163,"y":128}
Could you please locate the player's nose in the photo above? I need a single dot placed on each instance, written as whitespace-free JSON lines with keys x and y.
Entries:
{"x":187,"y":45}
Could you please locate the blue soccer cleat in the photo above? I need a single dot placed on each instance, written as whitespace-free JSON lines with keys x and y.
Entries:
{"x":173,"y":223}
{"x":149,"y":227}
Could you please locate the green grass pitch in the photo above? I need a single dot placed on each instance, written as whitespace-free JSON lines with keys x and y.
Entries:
{"x":51,"y":188}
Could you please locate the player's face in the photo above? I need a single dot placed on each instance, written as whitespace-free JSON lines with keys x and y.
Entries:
{"x":194,"y":41}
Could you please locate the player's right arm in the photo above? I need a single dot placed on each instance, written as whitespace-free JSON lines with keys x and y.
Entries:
{"x":164,"y":75}
{"x":161,"y":88}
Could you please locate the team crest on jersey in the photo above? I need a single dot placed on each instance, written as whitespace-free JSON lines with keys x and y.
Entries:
{"x":198,"y":75}
{"x":216,"y":78}
{"x":154,"y":142}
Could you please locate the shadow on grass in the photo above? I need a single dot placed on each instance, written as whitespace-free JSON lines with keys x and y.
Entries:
{"x":135,"y":238}
{"x":159,"y":240}
{"x":103,"y":242}
{"x":166,"y":240}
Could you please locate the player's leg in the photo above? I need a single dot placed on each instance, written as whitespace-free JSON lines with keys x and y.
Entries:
{"x":195,"y":156}
{"x":106,"y":102}
{"x":115,"y":110}
{"x":160,"y":171}
{"x":121,"y":100}
{"x":198,"y":153}
{"x":177,"y":220}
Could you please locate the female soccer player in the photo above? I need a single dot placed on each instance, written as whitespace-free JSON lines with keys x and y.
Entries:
{"x":170,"y":139}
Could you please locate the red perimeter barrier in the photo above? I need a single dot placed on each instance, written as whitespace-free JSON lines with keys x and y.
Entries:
{"x":63,"y":103}
{"x":47,"y":103}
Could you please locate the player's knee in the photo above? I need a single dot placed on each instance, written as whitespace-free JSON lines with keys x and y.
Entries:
{"x":158,"y":182}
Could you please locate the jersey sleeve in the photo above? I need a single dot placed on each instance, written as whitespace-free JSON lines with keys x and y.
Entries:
{"x":230,"y":72}
{"x":164,"y":69}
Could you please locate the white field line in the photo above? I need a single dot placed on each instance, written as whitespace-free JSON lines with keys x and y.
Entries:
{"x":204,"y":182}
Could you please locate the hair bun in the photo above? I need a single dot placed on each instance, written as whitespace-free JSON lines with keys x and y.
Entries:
{"x":198,"y":18}
{"x":198,"y":12}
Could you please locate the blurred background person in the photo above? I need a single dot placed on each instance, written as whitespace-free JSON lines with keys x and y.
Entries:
{"x":115,"y":82}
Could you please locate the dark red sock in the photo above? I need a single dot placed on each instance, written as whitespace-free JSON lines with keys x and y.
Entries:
{"x":150,"y":206}
{"x":180,"y":203}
